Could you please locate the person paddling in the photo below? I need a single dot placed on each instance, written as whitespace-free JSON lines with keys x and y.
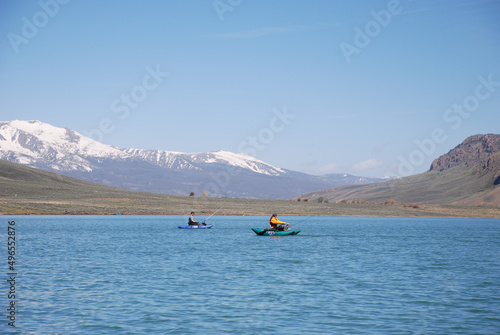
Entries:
{"x":192,"y":221}
{"x":277,"y":224}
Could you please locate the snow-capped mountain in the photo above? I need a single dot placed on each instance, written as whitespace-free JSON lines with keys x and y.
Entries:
{"x":42,"y":145}
{"x":220,"y":173}
{"x":195,"y":161}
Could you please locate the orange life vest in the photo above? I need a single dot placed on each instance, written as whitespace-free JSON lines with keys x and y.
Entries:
{"x":273,"y":221}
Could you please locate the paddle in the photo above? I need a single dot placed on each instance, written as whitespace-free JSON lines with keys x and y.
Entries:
{"x":211,"y":216}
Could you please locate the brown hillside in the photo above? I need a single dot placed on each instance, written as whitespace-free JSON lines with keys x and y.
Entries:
{"x":26,"y":190}
{"x":475,"y":150}
{"x":469,"y":174}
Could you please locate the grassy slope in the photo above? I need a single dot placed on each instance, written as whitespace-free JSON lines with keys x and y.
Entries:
{"x":456,"y":185}
{"x":25,"y":190}
{"x":469,"y":174}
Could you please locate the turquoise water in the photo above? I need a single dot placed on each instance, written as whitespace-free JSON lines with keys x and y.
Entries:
{"x":143,"y":275}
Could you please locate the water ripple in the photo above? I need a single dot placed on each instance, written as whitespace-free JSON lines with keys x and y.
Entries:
{"x":129,"y":275}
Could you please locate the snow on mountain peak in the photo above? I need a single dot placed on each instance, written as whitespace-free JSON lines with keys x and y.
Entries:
{"x":246,"y":162}
{"x":40,"y":144}
{"x":38,"y":137}
{"x":194,"y":161}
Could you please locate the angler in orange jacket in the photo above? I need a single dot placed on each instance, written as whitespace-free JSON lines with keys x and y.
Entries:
{"x":277,"y":224}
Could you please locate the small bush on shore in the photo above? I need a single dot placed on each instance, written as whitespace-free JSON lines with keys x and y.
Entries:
{"x":416,"y":206}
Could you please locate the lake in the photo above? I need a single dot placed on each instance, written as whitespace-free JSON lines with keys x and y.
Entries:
{"x":340,"y":275}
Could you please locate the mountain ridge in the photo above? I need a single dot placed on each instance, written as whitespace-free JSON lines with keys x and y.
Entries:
{"x":220,"y":173}
{"x":469,"y":174}
{"x":474,"y":150}
{"x":25,"y":190}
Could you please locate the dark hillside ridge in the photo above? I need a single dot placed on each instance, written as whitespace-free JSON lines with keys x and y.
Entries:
{"x":26,"y":182}
{"x":475,"y":150}
{"x":469,"y":174}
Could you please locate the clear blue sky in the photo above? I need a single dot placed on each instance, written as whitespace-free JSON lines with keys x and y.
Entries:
{"x":371,"y":88}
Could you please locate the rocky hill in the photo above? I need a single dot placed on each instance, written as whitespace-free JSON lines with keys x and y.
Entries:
{"x":478,"y":150}
{"x":469,"y":174}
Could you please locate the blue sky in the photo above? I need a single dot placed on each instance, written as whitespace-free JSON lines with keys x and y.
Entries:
{"x":371,"y":88}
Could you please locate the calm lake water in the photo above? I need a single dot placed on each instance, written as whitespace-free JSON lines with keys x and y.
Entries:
{"x":143,"y":275}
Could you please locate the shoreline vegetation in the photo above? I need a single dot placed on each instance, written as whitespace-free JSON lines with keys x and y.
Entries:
{"x":160,"y":204}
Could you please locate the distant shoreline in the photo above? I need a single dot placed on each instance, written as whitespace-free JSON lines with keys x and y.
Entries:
{"x":238,"y":207}
{"x":263,"y":215}
{"x":30,"y":191}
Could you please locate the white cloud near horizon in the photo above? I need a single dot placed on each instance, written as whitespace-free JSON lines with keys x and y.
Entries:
{"x":329,"y":168}
{"x":367,"y":165}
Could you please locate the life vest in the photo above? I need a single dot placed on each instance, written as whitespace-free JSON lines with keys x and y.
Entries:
{"x":273,"y":221}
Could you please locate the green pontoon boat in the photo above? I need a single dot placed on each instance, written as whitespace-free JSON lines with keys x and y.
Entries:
{"x":274,"y":232}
